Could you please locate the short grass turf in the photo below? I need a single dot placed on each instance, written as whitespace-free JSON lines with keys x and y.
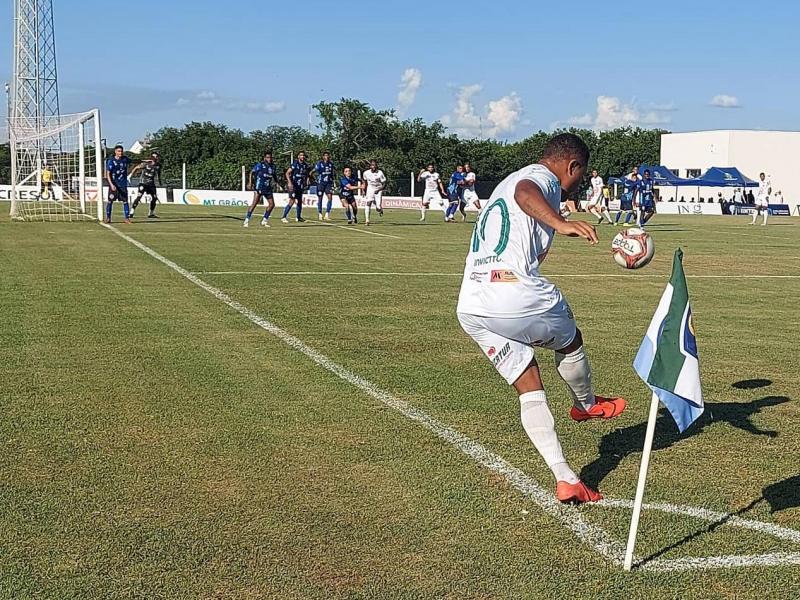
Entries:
{"x":157,"y":444}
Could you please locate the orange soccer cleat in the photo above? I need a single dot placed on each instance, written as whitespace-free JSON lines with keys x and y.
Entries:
{"x":576,"y":493}
{"x":604,"y":408}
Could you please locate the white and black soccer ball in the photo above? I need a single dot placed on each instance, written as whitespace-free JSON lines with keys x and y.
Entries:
{"x":633,"y":248}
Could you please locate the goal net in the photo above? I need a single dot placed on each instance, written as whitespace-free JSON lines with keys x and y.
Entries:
{"x":56,"y":168}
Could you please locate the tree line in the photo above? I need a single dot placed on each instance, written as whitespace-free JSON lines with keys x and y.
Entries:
{"x":355,"y":133}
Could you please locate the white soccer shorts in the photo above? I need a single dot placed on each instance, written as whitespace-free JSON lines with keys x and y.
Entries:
{"x":508,"y":342}
{"x":595,"y":201}
{"x":430,"y":196}
{"x":375,"y":196}
{"x":470,"y":197}
{"x":762,"y":202}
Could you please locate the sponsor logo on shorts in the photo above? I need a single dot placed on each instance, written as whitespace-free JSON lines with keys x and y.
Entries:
{"x":501,"y":356}
{"x":477,"y":276}
{"x":503,"y":277}
{"x":491,"y":352}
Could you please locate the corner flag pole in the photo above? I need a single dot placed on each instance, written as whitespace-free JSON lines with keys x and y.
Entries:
{"x":637,"y":503}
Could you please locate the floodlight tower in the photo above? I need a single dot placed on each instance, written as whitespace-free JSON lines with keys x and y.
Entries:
{"x":34,"y":87}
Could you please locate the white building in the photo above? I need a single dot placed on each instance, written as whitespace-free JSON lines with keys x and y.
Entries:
{"x":776,"y":153}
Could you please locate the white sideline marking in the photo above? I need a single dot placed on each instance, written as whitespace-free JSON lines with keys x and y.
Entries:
{"x":569,"y":516}
{"x":436,"y":274}
{"x":356,"y":230}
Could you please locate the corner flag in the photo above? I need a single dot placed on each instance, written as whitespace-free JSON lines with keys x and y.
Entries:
{"x":667,"y":363}
{"x":667,"y":359}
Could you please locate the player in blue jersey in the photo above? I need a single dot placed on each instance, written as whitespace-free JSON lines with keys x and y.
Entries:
{"x":262,"y":176}
{"x":455,"y":191}
{"x":297,"y":182}
{"x":117,"y":177}
{"x":325,"y":173}
{"x":630,"y":189}
{"x":349,"y":185}
{"x":647,"y":202}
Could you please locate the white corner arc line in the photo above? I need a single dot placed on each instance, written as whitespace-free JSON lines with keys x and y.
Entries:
{"x":569,"y":516}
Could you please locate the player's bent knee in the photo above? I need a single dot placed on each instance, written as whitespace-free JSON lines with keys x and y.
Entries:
{"x":576,"y":343}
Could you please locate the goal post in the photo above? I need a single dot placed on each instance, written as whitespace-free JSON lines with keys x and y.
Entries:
{"x":56,"y":168}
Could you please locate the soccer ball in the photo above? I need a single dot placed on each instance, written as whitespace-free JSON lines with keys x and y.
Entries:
{"x":633,"y":248}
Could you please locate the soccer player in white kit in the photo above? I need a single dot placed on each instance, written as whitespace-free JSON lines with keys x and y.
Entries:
{"x":375,"y":181}
{"x":509,"y":308}
{"x":434,"y":190}
{"x":470,"y":196}
{"x":596,"y":204}
{"x":762,"y":199}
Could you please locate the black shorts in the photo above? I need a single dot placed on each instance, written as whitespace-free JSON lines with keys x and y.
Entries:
{"x":297,"y":193}
{"x":120,"y":194}
{"x":348,"y":199}
{"x":265,"y":193}
{"x":324,"y":188}
{"x":149,"y":189}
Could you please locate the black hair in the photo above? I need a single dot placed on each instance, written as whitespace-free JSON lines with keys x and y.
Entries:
{"x":119,"y":147}
{"x":567,"y":146}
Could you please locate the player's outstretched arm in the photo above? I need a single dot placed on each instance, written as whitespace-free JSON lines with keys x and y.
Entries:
{"x":531,"y":200}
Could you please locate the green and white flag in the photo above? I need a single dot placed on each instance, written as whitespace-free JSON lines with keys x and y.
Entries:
{"x":667,"y":359}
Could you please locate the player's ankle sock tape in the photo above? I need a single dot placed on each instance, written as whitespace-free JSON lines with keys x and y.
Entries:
{"x":537,"y":420}
{"x":577,"y":374}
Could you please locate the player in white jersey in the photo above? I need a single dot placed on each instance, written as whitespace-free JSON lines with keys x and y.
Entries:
{"x":469,"y":195}
{"x":434,"y":190}
{"x":509,"y":308}
{"x":597,"y":205}
{"x":375,"y":182}
{"x":762,"y":199}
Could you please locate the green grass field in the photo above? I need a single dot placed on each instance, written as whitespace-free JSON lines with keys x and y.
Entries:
{"x":155,"y":443}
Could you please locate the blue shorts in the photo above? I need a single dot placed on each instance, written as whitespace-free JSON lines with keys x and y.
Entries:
{"x":649,"y":205}
{"x":324,"y":188}
{"x":265,"y":192}
{"x":349,"y":199}
{"x":297,"y":194}
{"x":626,"y":202}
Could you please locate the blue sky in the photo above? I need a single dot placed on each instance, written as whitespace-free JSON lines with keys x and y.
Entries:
{"x":501,"y":69}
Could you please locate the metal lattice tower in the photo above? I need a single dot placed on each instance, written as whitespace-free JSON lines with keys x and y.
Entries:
{"x":34,"y":87}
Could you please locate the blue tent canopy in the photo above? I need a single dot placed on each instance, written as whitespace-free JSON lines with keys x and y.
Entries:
{"x":661,"y":175}
{"x":723,"y":177}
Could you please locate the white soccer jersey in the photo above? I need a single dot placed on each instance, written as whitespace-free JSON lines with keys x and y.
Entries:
{"x":763,"y":190}
{"x":597,"y":188}
{"x":470,"y":179}
{"x":501,"y":275}
{"x":375,"y":180}
{"x":431,"y":180}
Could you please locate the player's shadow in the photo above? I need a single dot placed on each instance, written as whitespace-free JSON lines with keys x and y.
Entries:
{"x":620,"y":443}
{"x":187,"y":218}
{"x":780,"y":496}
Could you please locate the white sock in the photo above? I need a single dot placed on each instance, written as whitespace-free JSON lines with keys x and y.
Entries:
{"x":766,"y":214}
{"x":366,"y":210}
{"x":576,"y":373}
{"x":537,"y":420}
{"x":422,"y":210}
{"x":755,"y":216}
{"x":608,"y":216}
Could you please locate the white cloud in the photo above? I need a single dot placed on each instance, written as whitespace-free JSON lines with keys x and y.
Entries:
{"x":210,"y":99}
{"x":611,"y":112}
{"x":725,"y":101}
{"x":410,"y":82}
{"x":497,"y":117}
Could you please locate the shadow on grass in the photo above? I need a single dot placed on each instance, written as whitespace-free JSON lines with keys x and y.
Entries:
{"x":184,"y":219}
{"x":620,"y":443}
{"x":751,"y":384}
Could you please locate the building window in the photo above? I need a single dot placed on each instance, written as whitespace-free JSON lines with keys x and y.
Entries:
{"x":690,"y":173}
